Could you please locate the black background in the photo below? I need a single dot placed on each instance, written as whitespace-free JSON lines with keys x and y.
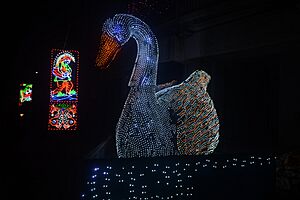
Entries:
{"x":255,"y":92}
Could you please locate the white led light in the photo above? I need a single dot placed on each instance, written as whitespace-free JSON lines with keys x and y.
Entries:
{"x":146,"y":114}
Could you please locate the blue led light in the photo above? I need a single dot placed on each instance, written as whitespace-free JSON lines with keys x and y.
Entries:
{"x":145,"y":128}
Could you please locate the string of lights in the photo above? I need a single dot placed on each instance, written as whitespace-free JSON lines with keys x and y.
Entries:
{"x":168,"y":178}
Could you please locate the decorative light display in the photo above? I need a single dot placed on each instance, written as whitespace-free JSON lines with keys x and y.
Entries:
{"x":149,"y":8}
{"x":197,"y":121}
{"x":145,"y":127}
{"x":63,"y":115}
{"x":25,"y":93}
{"x":63,"y":90}
{"x":170,"y":177}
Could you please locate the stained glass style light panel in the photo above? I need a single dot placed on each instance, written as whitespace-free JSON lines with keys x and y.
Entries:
{"x":63,"y":90}
{"x":63,"y":116}
{"x":25,"y":93}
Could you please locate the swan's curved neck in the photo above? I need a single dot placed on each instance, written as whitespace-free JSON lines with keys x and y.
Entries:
{"x":145,"y":67}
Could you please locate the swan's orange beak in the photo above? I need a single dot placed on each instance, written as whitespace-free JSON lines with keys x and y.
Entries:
{"x":107,"y":52}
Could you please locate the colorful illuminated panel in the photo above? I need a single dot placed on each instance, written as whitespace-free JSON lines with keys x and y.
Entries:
{"x":25,"y":93}
{"x":63,"y":90}
{"x":63,"y":116}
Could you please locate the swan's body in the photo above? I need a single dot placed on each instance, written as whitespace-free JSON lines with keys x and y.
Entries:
{"x":144,"y":128}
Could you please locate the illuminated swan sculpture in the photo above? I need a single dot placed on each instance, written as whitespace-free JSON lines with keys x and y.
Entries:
{"x":145,"y":127}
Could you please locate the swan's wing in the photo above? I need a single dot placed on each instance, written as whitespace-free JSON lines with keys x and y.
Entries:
{"x":197,"y":123}
{"x":165,"y":85}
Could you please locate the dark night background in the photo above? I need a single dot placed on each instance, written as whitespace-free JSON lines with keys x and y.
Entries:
{"x":250,"y":49}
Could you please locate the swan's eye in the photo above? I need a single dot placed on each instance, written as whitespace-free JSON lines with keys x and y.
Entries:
{"x":117,"y":29}
{"x":118,"y":32}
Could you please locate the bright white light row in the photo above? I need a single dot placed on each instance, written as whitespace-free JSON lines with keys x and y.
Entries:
{"x":171,"y":176}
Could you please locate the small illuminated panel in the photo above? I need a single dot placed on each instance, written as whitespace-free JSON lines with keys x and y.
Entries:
{"x":25,"y":93}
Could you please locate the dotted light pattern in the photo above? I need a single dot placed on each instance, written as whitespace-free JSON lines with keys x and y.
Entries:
{"x":146,"y":9}
{"x":63,"y":90}
{"x":63,"y":115}
{"x":25,"y":93}
{"x":168,"y":178}
{"x":107,"y":51}
{"x":144,"y":127}
{"x":197,"y":125}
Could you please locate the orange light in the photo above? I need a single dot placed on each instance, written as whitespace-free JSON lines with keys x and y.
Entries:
{"x":108,"y":50}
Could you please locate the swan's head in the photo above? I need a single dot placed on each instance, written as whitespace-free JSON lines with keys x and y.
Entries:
{"x":115,"y":33}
